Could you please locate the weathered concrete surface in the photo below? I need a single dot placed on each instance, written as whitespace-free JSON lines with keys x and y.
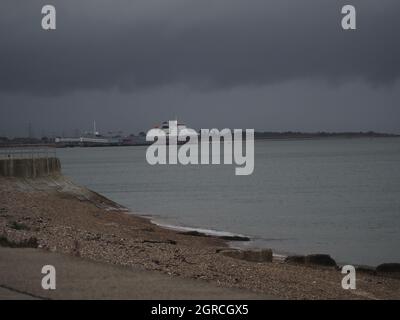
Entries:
{"x":77,"y":278}
{"x":11,"y":294}
{"x":29,"y":168}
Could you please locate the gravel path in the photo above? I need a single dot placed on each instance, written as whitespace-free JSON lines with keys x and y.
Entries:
{"x":77,"y":278}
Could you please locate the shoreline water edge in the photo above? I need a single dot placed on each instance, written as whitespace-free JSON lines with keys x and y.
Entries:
{"x":338,"y":197}
{"x":239,"y":241}
{"x":233,"y":240}
{"x":54,"y":214}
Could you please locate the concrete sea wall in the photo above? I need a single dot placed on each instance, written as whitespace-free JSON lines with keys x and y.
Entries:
{"x":29,"y":168}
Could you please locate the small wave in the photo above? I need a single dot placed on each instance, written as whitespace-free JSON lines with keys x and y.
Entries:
{"x":208,"y":232}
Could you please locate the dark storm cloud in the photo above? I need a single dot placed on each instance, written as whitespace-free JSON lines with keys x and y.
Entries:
{"x":130,"y":45}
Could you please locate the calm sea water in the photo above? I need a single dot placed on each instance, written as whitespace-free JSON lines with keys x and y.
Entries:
{"x":339,"y":196}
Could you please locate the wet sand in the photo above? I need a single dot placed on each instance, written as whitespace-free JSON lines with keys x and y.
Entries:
{"x":70,"y":220}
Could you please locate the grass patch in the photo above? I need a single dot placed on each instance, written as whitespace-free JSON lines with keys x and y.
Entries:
{"x":32,"y":242}
{"x":18,"y":226}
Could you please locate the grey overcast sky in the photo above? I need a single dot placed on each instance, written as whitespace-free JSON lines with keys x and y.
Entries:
{"x":272,"y":65}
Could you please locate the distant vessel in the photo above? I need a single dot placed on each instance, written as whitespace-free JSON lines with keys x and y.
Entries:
{"x":165,"y":126}
{"x":88,"y":139}
{"x":173,"y":129}
{"x":93,"y":138}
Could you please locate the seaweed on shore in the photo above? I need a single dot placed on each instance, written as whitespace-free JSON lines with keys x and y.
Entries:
{"x":227,"y":238}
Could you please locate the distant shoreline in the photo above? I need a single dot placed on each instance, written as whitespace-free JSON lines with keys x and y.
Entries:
{"x":292,"y":134}
{"x":258,"y":136}
{"x":257,"y":139}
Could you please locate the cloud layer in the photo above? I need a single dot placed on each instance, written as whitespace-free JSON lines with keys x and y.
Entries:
{"x":208,"y":44}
